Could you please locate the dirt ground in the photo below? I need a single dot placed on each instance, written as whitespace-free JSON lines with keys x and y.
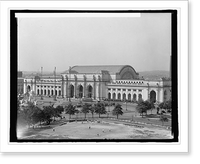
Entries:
{"x":99,"y":130}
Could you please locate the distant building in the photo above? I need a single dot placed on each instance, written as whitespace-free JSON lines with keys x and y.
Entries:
{"x":114,"y":82}
{"x":20,"y":82}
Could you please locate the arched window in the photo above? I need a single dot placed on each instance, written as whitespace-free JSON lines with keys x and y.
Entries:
{"x":89,"y":91}
{"x":129,"y":97}
{"x":80,"y":90}
{"x":124,"y":96}
{"x":153,"y":96}
{"x":119,"y":96}
{"x":134,"y":97}
{"x":139,"y":97}
{"x":71,"y":91}
{"x":114,"y":96}
{"x":109,"y":95}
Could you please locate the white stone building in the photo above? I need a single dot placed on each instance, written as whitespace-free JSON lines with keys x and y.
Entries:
{"x":114,"y":82}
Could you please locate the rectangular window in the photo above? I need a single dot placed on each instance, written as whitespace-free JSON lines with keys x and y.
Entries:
{"x":124,"y":89}
{"x":119,"y":89}
{"x":113,"y":89}
{"x":140,"y":90}
{"x":109,"y":89}
{"x":134,"y":90}
{"x":129,"y":89}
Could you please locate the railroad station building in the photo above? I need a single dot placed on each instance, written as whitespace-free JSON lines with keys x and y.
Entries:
{"x":113,"y":82}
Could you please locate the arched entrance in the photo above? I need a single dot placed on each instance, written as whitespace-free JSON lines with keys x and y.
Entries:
{"x":134,"y":97}
{"x":153,"y":96}
{"x":45,"y":92}
{"x":129,"y":97}
{"x":71,"y":91}
{"x":41,"y":92}
{"x":109,"y":96}
{"x":52,"y":92}
{"x":59,"y":92}
{"x":119,"y":96}
{"x":48,"y":92}
{"x":114,"y":96}
{"x":89,"y":89}
{"x":140,"y":97}
{"x":28,"y":88}
{"x":124,"y":96}
{"x":80,"y":91}
{"x":56,"y":93}
{"x":38,"y":92}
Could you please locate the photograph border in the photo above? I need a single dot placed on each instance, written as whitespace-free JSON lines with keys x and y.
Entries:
{"x":14,"y":70}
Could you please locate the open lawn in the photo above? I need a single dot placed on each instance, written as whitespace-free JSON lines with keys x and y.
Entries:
{"x":130,"y":125}
{"x":97,"y":130}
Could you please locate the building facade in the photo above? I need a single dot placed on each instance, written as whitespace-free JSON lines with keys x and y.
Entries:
{"x":115,"y":82}
{"x":20,"y":82}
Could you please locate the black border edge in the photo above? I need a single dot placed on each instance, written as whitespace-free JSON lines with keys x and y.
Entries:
{"x":14,"y":69}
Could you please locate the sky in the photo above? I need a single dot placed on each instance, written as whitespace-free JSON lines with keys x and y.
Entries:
{"x":143,"y":42}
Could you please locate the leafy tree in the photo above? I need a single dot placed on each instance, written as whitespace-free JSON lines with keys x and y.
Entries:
{"x":117,"y":110}
{"x":100,"y":109}
{"x":152,"y":106}
{"x":48,"y":113}
{"x":166,"y":105}
{"x":143,"y":106}
{"x":86,"y":108}
{"x":92,"y":109}
{"x":70,"y":109}
{"x":163,"y":119}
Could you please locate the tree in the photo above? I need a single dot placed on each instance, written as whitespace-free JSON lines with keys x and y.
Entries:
{"x":152,"y":106}
{"x":143,"y":106}
{"x":117,"y":110}
{"x":70,"y":109}
{"x":92,"y":109}
{"x":166,"y":105}
{"x":163,"y":119}
{"x":100,"y":109}
{"x":86,"y":108}
{"x":48,"y":113}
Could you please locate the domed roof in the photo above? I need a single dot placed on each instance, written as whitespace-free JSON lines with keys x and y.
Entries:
{"x":92,"y":69}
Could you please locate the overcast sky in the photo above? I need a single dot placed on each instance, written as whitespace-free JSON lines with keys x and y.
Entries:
{"x":142,"y":42}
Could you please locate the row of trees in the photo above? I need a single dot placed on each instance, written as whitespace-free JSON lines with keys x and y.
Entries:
{"x":32,"y":114}
{"x":144,"y":106}
{"x":98,"y":108}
